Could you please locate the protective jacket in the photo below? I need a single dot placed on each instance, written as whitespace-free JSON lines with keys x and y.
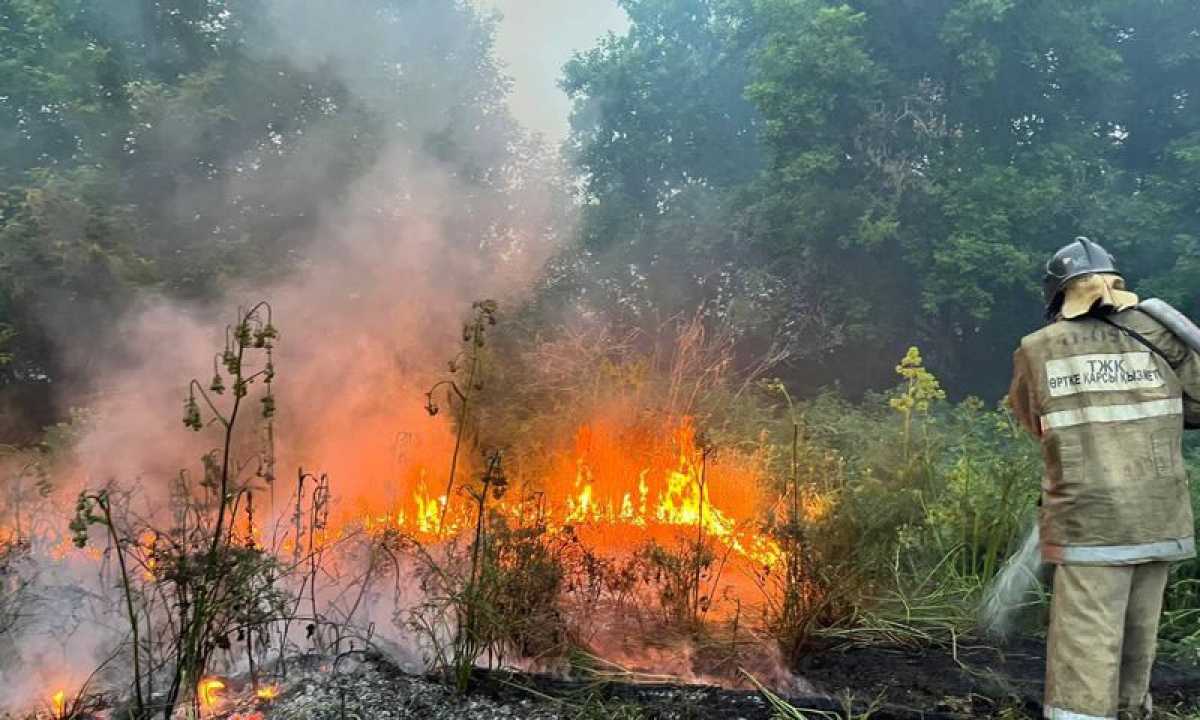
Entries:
{"x":1110,"y":410}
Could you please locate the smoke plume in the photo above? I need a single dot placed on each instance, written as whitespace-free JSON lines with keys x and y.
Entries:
{"x":457,"y":204}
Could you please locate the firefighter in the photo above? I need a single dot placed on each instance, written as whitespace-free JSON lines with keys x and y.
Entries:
{"x":1104,"y":386}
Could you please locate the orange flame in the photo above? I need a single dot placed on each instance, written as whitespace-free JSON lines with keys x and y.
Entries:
{"x":148,"y":542}
{"x":209,"y":692}
{"x":620,"y":485}
{"x":268,"y":692}
{"x":625,"y":478}
{"x":58,"y":702}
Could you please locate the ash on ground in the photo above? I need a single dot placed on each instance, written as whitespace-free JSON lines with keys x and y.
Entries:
{"x":370,"y":687}
{"x":367,"y":687}
{"x":886,"y":683}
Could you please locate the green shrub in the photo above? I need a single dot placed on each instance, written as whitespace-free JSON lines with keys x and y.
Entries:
{"x":1180,"y":627}
{"x":936,"y":495}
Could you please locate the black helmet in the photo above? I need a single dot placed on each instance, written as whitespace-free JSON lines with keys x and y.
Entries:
{"x":1080,"y":257}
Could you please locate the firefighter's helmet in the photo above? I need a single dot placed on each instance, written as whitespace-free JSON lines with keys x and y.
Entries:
{"x":1080,"y":257}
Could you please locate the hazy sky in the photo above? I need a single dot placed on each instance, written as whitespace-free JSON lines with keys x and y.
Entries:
{"x":536,"y":37}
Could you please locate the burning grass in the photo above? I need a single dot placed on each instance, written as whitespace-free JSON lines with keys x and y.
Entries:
{"x":639,"y":526}
{"x":514,"y":561}
{"x":618,"y":488}
{"x":633,"y":525}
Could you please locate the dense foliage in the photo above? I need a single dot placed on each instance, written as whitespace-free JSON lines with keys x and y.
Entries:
{"x":833,"y":181}
{"x":851,"y":176}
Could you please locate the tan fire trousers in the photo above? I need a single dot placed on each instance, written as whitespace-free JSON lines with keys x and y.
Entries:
{"x":1102,"y":640}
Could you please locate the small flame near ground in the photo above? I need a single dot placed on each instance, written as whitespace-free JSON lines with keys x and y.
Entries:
{"x":268,"y":692}
{"x":209,"y":692}
{"x":58,"y":702}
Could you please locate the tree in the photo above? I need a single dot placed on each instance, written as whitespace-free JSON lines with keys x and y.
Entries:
{"x":921,"y":159}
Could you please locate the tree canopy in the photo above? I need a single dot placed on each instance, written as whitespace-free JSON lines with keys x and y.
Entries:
{"x":889,"y":171}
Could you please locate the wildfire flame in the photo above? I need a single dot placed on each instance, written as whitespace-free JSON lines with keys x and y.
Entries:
{"x":620,"y":485}
{"x":148,"y":541}
{"x":267,"y":692}
{"x":622,"y":479}
{"x":209,"y":692}
{"x":58,"y":702}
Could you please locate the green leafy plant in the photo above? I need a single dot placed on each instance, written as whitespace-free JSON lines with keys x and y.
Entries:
{"x":919,"y":390}
{"x":814,"y":584}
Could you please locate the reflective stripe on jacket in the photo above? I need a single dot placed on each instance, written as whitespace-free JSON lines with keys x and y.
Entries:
{"x":1109,"y":412}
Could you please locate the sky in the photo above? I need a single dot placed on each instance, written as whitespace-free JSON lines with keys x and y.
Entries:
{"x":535,"y":39}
